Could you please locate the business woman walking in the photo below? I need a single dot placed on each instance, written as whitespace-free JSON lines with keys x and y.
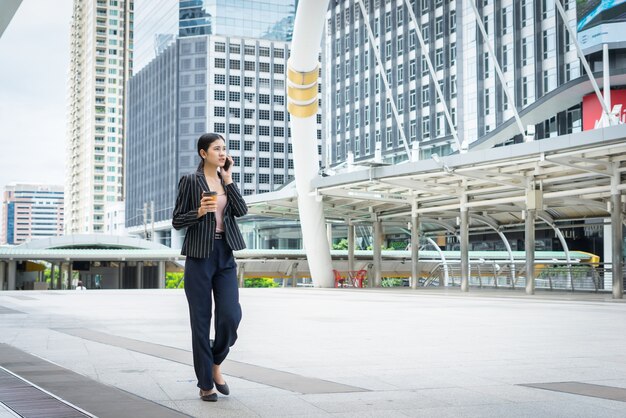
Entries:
{"x":210,"y":268}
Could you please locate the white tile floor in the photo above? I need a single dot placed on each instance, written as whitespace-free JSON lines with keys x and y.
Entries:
{"x":418,"y":353}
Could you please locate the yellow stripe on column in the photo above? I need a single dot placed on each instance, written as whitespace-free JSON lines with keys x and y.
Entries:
{"x":302,"y":111}
{"x":302,"y":78}
{"x":302,"y":95}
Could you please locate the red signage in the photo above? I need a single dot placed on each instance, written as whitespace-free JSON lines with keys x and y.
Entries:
{"x":592,"y":110}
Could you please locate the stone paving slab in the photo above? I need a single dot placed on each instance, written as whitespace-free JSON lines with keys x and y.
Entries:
{"x":417,"y":353}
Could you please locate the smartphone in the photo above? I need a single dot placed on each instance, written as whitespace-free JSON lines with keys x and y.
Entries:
{"x":227,"y":164}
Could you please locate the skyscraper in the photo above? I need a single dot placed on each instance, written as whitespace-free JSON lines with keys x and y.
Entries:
{"x":207,"y":83}
{"x":100,"y":65}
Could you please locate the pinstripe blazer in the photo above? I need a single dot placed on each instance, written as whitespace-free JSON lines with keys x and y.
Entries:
{"x":201,"y":231}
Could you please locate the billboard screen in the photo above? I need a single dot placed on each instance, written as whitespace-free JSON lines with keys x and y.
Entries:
{"x":592,"y":110}
{"x":600,"y":22}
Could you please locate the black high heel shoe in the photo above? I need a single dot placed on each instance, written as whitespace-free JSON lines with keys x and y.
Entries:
{"x":223,"y":389}
{"x":211,"y":397}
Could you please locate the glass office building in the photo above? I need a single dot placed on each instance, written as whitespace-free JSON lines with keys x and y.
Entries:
{"x":268,"y":19}
{"x":159,"y":22}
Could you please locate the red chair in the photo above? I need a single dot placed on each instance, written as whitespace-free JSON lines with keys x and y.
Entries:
{"x":339,"y":281}
{"x":359,"y":278}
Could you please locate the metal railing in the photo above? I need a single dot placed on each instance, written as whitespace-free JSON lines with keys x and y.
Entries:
{"x":588,"y":277}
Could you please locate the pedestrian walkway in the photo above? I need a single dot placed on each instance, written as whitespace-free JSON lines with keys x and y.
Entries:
{"x":319,"y":353}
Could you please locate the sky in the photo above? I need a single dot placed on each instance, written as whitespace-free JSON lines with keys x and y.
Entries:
{"x":34,"y":62}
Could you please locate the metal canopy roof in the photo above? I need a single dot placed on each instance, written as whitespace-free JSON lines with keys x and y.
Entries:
{"x":573,"y":171}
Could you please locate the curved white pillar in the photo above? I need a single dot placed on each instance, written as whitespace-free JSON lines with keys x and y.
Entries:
{"x":303,"y":69}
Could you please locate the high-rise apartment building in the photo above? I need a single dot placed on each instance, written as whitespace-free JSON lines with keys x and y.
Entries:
{"x":210,"y":83}
{"x":31,"y":211}
{"x":530,"y":42}
{"x":101,"y":64}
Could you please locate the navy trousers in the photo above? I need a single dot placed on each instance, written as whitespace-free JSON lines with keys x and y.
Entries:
{"x":215,"y":275}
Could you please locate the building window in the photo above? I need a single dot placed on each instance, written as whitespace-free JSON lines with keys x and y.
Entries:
{"x":425,"y":95}
{"x":440,"y":125}
{"x":453,"y":85}
{"x":425,"y":127}
{"x":505,"y":57}
{"x":452,"y":21}
{"x":439,"y":27}
{"x":452,"y":53}
{"x":487,"y":97}
{"x":485,"y":65}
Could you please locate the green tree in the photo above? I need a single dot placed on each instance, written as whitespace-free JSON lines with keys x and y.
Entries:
{"x":391,"y":282}
{"x":174,"y":280}
{"x":341,"y":245}
{"x":260,"y":282}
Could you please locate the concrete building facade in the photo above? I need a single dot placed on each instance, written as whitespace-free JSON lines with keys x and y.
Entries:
{"x":31,"y":211}
{"x":533,"y":48}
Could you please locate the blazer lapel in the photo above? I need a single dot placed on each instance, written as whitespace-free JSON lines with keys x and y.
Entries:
{"x":200,"y":175}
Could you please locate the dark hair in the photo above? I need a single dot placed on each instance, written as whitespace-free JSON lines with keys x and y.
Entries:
{"x":205,"y":141}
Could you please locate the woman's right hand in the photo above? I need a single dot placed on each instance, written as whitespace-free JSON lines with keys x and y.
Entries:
{"x":207,"y":204}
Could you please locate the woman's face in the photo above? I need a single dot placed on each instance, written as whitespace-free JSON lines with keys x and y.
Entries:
{"x":216,"y":153}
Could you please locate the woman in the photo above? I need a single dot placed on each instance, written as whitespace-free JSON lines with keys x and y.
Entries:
{"x":212,"y":235}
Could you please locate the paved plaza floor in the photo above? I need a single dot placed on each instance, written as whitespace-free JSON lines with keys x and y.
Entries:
{"x":319,"y":353}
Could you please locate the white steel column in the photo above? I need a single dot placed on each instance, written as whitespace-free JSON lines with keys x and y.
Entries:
{"x":329,"y":234}
{"x":377,"y":253}
{"x":161,"y":275}
{"x":2,"y":274}
{"x":351,"y":240}
{"x":139,"y":274}
{"x":529,"y":246}
{"x":415,"y":248}
{"x":51,"y":285}
{"x":617,"y":241}
{"x":534,"y":202}
{"x":303,"y":70}
{"x":464,"y":234}
{"x":12,"y":274}
{"x":59,"y":285}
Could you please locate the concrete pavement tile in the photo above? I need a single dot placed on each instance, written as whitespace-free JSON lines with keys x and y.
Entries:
{"x":224,"y":407}
{"x":372,"y":401}
{"x":462,"y":397}
{"x":271,"y":406}
{"x":475,"y":411}
{"x":570,"y":409}
{"x":368,"y":414}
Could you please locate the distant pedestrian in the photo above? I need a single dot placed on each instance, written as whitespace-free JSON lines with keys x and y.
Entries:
{"x":79,"y":285}
{"x":207,"y":203}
